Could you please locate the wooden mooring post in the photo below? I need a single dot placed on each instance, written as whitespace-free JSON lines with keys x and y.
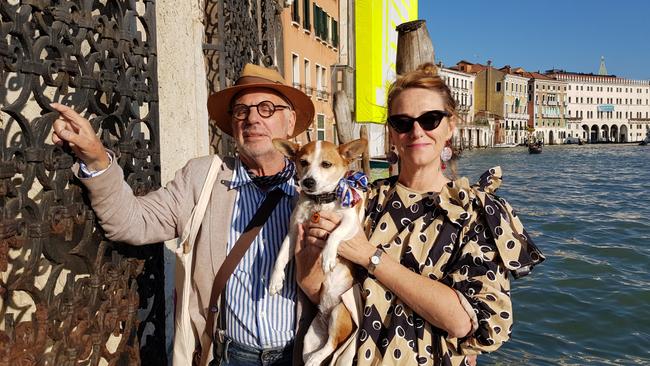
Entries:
{"x":345,"y":128}
{"x":414,"y":47}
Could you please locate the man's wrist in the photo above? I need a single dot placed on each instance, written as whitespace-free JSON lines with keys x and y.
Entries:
{"x":100,"y":164}
{"x":86,"y":171}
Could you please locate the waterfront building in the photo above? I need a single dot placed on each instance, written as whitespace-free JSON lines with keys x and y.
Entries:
{"x":605,"y":108}
{"x":547,"y":107}
{"x":489,"y":99}
{"x":311,"y":49}
{"x":515,"y":105}
{"x":468,"y":134}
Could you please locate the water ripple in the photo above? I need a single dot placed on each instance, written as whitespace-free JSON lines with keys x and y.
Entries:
{"x":587,"y":209}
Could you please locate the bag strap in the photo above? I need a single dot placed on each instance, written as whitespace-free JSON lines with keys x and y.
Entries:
{"x":236,"y":254}
{"x":187,"y":240}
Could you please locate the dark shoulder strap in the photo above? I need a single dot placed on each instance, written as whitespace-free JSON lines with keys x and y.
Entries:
{"x":237,"y":253}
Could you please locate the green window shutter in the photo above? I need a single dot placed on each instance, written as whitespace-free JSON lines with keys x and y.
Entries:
{"x":316,"y":20}
{"x":306,"y":22}
{"x":327,"y":28}
{"x":320,"y":23}
{"x":323,"y":25}
{"x":335,"y":33}
{"x":295,"y":12}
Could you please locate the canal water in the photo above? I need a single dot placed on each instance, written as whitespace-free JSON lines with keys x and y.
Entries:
{"x":587,"y":208}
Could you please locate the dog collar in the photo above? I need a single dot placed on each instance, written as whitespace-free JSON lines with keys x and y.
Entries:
{"x":322,"y":198}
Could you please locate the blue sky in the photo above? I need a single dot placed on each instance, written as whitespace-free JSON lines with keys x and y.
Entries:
{"x":543,"y":34}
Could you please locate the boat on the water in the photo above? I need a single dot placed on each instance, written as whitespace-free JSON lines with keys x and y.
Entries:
{"x":573,"y":141}
{"x":646,"y":141}
{"x":535,"y":147}
{"x":505,"y":145}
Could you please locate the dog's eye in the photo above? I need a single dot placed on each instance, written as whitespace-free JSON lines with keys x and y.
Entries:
{"x":326,"y":164}
{"x":304,"y":163}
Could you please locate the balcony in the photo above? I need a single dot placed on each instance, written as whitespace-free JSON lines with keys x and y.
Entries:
{"x":517,"y":116}
{"x":322,"y":94}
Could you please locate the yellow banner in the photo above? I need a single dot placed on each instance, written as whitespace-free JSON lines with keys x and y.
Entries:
{"x":376,"y":45}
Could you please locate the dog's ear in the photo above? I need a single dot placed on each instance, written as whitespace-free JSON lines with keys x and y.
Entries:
{"x":353,"y":149}
{"x":286,"y":147}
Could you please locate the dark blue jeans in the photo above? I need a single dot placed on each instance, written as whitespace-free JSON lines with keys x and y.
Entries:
{"x":236,"y":354}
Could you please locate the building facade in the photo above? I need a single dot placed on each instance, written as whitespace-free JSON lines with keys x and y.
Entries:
{"x":515,"y":105}
{"x":547,"y":108}
{"x":311,"y":48}
{"x":489,"y":101}
{"x":605,"y":108}
{"x":461,"y":84}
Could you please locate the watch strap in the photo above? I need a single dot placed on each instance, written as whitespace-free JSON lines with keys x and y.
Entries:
{"x":373,"y":266}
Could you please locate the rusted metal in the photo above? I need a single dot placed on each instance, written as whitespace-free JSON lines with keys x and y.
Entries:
{"x":65,"y":292}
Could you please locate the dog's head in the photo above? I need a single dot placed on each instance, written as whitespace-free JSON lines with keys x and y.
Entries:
{"x":320,"y":164}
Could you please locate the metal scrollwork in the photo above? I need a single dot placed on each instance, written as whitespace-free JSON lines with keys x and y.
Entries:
{"x":67,"y":296}
{"x":237,"y":33}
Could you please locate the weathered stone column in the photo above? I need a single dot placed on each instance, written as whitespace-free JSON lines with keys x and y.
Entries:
{"x":183,"y":111}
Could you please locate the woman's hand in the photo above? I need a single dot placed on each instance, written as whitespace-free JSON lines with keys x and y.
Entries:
{"x":72,"y":128}
{"x":357,"y":249}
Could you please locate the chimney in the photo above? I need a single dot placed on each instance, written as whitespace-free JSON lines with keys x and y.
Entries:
{"x":489,"y":62}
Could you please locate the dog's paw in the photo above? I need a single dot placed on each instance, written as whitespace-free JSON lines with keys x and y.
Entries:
{"x":276,"y":283}
{"x":329,"y":261}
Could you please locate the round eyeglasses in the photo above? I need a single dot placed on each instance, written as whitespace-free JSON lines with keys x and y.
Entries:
{"x":265,"y":109}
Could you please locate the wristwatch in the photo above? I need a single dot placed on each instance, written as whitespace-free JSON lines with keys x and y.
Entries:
{"x":375,"y":260}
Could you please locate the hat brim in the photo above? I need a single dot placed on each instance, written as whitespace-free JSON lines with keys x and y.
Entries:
{"x":219,"y":105}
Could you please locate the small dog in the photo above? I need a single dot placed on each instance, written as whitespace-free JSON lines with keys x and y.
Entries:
{"x":325,"y":185}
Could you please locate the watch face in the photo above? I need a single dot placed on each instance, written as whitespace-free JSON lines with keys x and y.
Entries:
{"x":374,"y":260}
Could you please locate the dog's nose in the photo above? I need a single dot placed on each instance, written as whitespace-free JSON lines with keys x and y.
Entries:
{"x":308,"y":183}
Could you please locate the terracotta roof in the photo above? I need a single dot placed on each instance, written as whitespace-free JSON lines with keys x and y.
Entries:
{"x":535,"y":75}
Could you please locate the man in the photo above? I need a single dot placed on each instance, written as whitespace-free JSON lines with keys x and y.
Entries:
{"x":259,"y":329}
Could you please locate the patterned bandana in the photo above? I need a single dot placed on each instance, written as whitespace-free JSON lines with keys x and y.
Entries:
{"x":266,"y":182}
{"x":349,"y":186}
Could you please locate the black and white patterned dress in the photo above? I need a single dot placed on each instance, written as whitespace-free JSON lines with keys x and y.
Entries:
{"x":465,"y":237}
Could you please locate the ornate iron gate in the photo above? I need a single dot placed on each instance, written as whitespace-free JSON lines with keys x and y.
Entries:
{"x":236,"y":33}
{"x":67,"y":296}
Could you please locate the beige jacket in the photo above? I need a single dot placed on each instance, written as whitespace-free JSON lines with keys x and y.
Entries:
{"x":163,"y":214}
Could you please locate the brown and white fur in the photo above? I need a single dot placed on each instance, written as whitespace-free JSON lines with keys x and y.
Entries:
{"x":320,"y":166}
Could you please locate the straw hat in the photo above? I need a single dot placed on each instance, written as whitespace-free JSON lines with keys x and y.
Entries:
{"x":254,"y":76}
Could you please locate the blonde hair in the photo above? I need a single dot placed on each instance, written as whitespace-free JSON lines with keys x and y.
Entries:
{"x":426,"y":77}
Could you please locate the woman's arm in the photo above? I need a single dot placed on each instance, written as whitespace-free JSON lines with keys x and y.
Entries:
{"x":436,"y":302}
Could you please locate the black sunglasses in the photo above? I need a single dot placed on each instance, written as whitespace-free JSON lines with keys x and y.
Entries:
{"x":428,"y":121}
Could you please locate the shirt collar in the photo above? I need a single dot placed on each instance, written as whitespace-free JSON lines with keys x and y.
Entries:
{"x":240,"y":178}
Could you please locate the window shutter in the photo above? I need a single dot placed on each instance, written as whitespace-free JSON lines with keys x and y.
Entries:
{"x":306,"y":23}
{"x":316,"y":20}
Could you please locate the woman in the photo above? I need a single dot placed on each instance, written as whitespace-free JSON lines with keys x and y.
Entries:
{"x":439,"y":293}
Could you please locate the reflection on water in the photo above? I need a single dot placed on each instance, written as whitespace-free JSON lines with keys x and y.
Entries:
{"x":587,"y":209}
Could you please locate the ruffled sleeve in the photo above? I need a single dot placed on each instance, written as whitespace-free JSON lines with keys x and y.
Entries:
{"x":492,"y":244}
{"x":469,"y":206}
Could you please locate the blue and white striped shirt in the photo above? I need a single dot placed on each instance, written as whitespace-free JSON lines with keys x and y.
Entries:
{"x":252,"y":316}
